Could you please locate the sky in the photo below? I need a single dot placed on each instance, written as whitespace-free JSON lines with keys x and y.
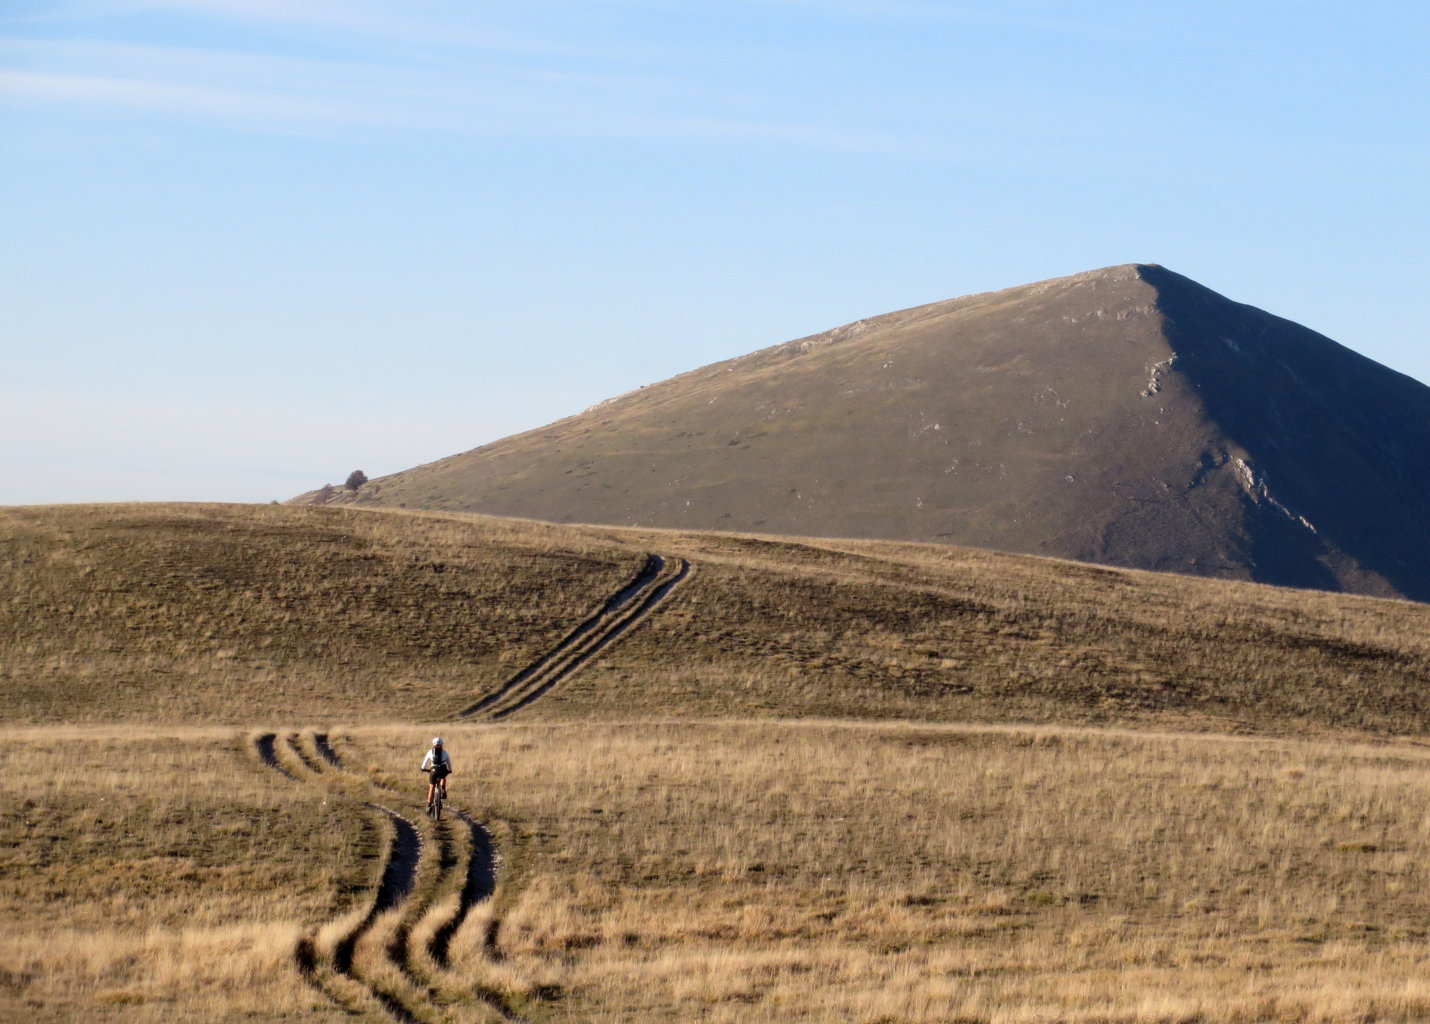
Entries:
{"x":247,"y":246}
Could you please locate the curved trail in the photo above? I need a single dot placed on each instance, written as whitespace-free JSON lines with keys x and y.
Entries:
{"x":325,"y":749}
{"x":622,"y":611}
{"x":295,"y":745}
{"x":398,"y":875}
{"x":480,"y":884}
{"x":268,"y":754}
{"x":402,"y":872}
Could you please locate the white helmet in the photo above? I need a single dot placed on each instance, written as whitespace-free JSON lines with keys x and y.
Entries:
{"x":436,"y":741}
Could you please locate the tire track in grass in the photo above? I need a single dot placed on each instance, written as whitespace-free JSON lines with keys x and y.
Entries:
{"x":326,"y":751}
{"x":669,"y":581}
{"x":265,"y":744}
{"x":402,"y":867}
{"x":399,"y":873}
{"x":398,"y":946}
{"x":621,"y":612}
{"x":643,"y":579}
{"x":478,"y":888}
{"x":295,"y":745}
{"x":398,"y":877}
{"x":478,"y":885}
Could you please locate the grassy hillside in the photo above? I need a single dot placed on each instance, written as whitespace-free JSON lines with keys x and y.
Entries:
{"x":241,"y":613}
{"x":230,"y":613}
{"x":815,"y":872}
{"x":877,"y":630}
{"x":810,"y":781}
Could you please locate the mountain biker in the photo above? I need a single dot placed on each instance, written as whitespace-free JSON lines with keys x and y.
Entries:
{"x":438,"y":765}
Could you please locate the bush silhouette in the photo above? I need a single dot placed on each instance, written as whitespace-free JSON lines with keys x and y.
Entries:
{"x":355,"y":480}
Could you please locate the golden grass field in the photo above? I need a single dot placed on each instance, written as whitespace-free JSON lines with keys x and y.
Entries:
{"x":821,"y":781}
{"x":739,"y":871}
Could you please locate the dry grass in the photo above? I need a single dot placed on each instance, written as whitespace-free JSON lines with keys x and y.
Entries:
{"x":845,"y":629}
{"x":225,"y":613}
{"x":152,"y":875}
{"x":228,"y":613}
{"x":730,"y":871}
{"x":778,"y":871}
{"x":674,"y":846}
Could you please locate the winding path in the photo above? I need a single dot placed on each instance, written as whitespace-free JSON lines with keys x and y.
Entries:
{"x":413,"y":881}
{"x":480,"y":883}
{"x":622,"y":611}
{"x":408,"y":868}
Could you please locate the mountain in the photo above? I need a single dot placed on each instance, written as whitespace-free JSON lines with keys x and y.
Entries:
{"x":1126,"y":416}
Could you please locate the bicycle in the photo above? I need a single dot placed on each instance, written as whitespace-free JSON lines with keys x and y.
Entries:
{"x":434,"y":806}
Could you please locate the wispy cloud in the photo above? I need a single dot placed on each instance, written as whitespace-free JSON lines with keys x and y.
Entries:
{"x":414,"y":26}
{"x":251,"y":89}
{"x":359,"y":16}
{"x":1035,"y":15}
{"x":534,"y":68}
{"x":459,"y":90}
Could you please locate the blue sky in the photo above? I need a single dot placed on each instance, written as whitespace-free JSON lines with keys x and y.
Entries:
{"x":251,"y":245}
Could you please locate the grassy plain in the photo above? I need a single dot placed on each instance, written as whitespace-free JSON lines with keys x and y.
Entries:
{"x":152,"y":874}
{"x":825,"y":781}
{"x":889,"y":872}
{"x":737,"y":871}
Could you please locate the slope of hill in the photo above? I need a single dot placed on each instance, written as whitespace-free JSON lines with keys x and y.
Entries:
{"x":233,"y":614}
{"x":1126,"y":416}
{"x":658,"y":837}
{"x":224,"y":613}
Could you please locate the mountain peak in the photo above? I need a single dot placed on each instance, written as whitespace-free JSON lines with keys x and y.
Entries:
{"x":1125,"y":415}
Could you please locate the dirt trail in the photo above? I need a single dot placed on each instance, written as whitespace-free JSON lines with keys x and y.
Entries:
{"x":268,"y":754}
{"x":621,"y":612}
{"x":295,"y":745}
{"x":398,"y":874}
{"x":402,"y":867}
{"x":325,"y":749}
{"x":479,"y":886}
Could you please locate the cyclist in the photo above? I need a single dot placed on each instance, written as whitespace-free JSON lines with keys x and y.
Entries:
{"x":438,"y":765}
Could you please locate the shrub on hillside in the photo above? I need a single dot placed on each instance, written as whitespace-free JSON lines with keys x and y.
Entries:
{"x":355,"y":480}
